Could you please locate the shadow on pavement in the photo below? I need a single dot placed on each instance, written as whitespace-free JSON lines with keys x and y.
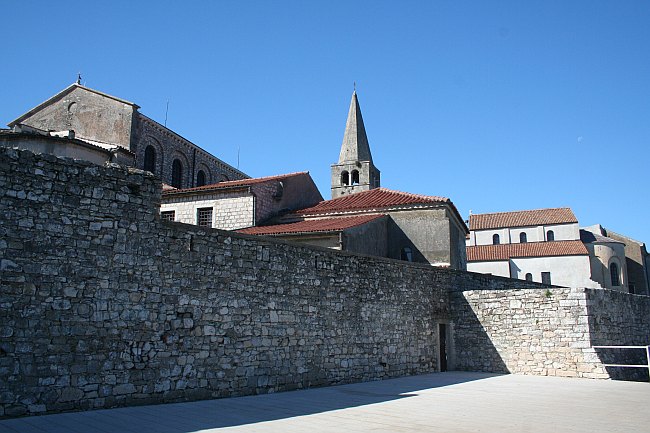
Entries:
{"x":239,"y":411}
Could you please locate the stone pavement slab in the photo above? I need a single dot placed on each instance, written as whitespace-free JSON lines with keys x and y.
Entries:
{"x":441,"y":402}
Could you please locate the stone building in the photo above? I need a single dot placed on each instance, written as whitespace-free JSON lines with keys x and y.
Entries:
{"x":636,"y":259}
{"x":545,"y":245}
{"x":355,"y":170}
{"x":362,"y":217}
{"x":242,"y":203}
{"x":107,"y":121}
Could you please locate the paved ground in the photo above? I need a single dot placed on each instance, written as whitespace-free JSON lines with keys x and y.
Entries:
{"x":443,"y":402}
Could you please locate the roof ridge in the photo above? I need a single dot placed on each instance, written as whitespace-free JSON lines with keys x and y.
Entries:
{"x":240,"y":182}
{"x":521,"y":211}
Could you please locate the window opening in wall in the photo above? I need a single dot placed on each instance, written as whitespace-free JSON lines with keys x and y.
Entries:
{"x":407,"y":254}
{"x":150,"y":159}
{"x":613,"y":270}
{"x":279,"y":191}
{"x":168,"y":215}
{"x":496,"y":240}
{"x":546,"y":278}
{"x":529,"y":277}
{"x":355,"y":177}
{"x":523,"y":238}
{"x":345,"y":178}
{"x":204,"y":217}
{"x":177,"y":174}
{"x":550,"y":236}
{"x":200,"y":178}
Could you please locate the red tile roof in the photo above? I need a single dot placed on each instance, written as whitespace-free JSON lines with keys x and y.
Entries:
{"x":521,"y":218}
{"x":378,"y":198}
{"x":234,"y":183}
{"x":311,"y":226}
{"x":487,"y":253}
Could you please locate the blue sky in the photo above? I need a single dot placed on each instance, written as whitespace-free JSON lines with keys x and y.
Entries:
{"x":499,"y":105}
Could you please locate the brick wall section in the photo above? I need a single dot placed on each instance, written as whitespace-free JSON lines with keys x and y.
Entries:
{"x":546,"y":332}
{"x":170,"y":146}
{"x":104,"y":305}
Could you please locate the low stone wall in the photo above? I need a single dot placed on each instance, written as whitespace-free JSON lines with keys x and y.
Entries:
{"x":547,"y":332}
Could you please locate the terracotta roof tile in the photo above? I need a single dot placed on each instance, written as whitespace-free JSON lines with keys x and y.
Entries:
{"x":235,"y":183}
{"x":311,"y":226}
{"x":487,"y":253}
{"x":378,"y":198}
{"x":521,"y":218}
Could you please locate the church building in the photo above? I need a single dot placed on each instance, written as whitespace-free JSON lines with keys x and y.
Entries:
{"x":365,"y":218}
{"x":106,"y":123}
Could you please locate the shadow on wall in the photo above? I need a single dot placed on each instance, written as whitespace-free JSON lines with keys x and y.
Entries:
{"x":620,"y":319}
{"x":473,"y":346}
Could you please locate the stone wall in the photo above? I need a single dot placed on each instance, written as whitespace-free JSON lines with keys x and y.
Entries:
{"x":232,"y":209}
{"x":104,"y":305}
{"x":546,"y":332}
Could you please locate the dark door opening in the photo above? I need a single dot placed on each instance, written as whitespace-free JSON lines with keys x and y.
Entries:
{"x":442,"y":335}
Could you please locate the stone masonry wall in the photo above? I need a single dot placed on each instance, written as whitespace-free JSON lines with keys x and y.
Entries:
{"x":545,"y":332}
{"x":231,"y":209}
{"x":104,"y":305}
{"x":617,"y":318}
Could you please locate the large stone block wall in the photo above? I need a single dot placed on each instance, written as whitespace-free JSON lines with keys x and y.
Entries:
{"x":104,"y":305}
{"x":546,"y":332}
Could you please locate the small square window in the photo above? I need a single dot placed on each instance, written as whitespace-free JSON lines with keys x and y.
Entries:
{"x":204,"y":217}
{"x":168,"y":215}
{"x":546,"y":278}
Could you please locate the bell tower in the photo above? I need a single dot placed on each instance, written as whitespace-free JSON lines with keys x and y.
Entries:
{"x":355,"y":171}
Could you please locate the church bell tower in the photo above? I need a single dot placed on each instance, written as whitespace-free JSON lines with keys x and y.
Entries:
{"x":355,"y":171}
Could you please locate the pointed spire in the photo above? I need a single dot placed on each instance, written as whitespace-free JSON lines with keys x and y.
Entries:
{"x":355,"y":145}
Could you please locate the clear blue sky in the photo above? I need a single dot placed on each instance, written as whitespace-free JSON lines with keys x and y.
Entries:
{"x":499,"y":105}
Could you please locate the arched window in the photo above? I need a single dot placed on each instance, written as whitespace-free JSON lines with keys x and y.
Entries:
{"x":613,"y":270}
{"x":529,"y":277}
{"x":355,"y":177}
{"x":150,"y":159}
{"x":523,"y":238}
{"x":550,"y":236}
{"x":345,"y":178}
{"x":407,"y":254}
{"x":200,"y":178}
{"x":177,"y":174}
{"x":496,"y":240}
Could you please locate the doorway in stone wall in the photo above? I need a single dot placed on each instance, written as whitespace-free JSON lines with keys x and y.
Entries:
{"x":442,"y":342}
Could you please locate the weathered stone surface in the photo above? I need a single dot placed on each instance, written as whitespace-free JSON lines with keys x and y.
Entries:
{"x":548,"y":332}
{"x":135,"y":310}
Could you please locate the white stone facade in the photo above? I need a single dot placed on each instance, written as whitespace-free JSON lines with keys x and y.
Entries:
{"x":229,"y":211}
{"x":511,"y":235}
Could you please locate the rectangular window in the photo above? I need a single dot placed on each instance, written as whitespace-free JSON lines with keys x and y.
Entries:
{"x":546,"y":278}
{"x":204,"y":217}
{"x":168,"y":215}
